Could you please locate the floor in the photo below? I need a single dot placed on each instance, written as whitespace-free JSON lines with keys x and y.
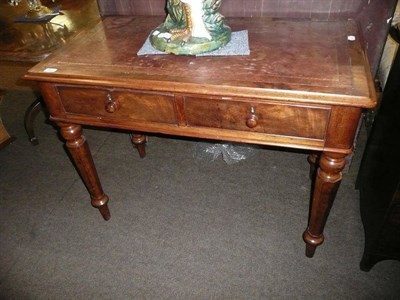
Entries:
{"x":183,"y":225}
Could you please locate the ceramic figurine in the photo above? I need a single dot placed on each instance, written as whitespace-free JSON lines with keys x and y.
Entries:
{"x":191,"y":27}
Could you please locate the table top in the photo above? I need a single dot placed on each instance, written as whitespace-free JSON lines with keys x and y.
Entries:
{"x":291,"y":60}
{"x":33,"y":41}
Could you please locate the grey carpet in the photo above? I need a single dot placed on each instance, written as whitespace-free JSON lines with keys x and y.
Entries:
{"x":182,"y":226}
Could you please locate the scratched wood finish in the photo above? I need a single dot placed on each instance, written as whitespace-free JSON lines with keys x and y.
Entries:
{"x":373,"y":16}
{"x":308,"y":65}
{"x":304,"y":85}
{"x":313,"y":57}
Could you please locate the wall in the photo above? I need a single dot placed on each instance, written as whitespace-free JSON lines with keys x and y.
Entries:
{"x":316,"y":9}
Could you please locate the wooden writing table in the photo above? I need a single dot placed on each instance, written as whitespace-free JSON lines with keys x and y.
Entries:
{"x":303,"y":86}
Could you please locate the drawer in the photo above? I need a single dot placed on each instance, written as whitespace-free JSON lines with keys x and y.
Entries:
{"x":276,"y":119}
{"x":122,"y":104}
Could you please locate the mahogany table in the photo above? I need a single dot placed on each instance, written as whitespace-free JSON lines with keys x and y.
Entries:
{"x":303,"y":86}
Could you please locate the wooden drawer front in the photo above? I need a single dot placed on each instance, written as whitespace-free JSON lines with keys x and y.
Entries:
{"x":288,"y":120}
{"x":121,"y":104}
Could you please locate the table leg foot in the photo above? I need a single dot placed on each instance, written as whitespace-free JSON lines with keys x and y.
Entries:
{"x":80,"y":153}
{"x":312,"y":242}
{"x":327,"y":181}
{"x":310,"y":250}
{"x":105,"y":212}
{"x":101,"y":204}
{"x":139,"y":141}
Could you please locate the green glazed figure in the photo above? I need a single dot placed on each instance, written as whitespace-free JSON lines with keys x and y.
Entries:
{"x":191,"y":27}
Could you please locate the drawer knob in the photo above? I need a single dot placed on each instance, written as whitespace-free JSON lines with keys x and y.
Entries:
{"x":111,"y":105}
{"x":252,"y":120}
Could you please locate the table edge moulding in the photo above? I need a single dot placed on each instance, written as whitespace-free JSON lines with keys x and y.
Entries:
{"x":303,"y":86}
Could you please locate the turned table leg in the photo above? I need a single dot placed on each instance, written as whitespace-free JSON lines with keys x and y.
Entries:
{"x":139,"y":141}
{"x":326,"y":184}
{"x":80,"y":152}
{"x":313,"y":161}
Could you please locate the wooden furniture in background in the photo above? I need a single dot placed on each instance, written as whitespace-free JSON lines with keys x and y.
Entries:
{"x":22,"y":45}
{"x":379,"y":176}
{"x":303,"y":86}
